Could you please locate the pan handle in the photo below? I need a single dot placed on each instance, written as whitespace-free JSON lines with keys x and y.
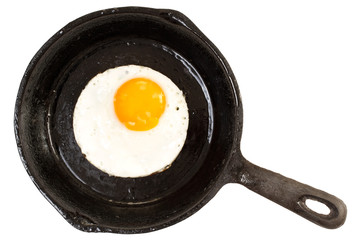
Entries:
{"x":292,"y":195}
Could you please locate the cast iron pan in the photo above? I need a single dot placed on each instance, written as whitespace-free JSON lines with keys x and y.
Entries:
{"x":167,"y":41}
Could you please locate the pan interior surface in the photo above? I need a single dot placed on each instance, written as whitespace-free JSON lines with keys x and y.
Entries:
{"x":165,"y":41}
{"x":145,"y":52}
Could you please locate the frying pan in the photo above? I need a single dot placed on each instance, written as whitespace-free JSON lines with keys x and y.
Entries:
{"x":166,"y":41}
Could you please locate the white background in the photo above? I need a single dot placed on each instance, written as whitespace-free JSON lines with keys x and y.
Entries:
{"x":298,"y":68}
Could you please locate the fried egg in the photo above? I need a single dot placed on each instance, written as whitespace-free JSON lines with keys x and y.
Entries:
{"x":131,"y":121}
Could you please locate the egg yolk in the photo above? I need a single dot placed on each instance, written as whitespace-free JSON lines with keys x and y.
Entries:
{"x":139,"y":103}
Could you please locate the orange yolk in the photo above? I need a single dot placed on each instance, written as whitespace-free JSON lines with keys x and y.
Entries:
{"x":139,"y":103}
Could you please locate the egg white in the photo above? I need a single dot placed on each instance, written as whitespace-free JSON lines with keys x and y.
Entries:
{"x":113,"y":148}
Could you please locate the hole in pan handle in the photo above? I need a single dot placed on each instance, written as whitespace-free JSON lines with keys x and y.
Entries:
{"x":292,"y":195}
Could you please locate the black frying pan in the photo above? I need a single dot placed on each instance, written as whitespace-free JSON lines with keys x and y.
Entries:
{"x":167,"y":41}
